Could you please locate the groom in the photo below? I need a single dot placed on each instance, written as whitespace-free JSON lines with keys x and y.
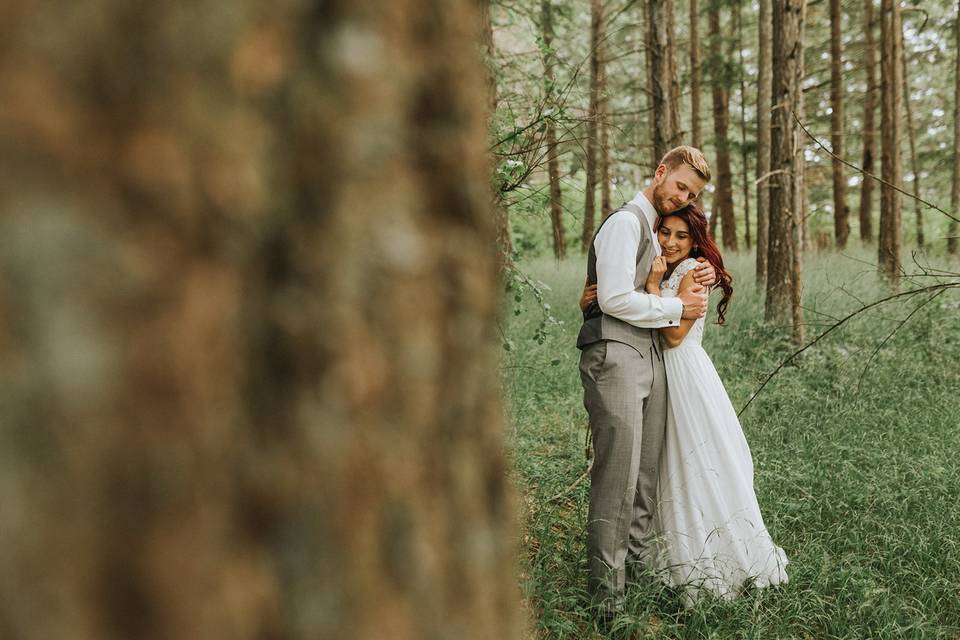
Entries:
{"x":621,"y":368}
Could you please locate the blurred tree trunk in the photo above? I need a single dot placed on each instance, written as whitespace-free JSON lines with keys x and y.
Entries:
{"x":251,"y":388}
{"x":695,"y":89}
{"x":720,"y":78}
{"x":500,"y":213}
{"x":788,"y":17}
{"x":764,"y":91}
{"x":593,"y":116}
{"x":744,"y":159}
{"x":869,"y":126}
{"x":954,"y":228}
{"x":841,"y":213}
{"x":553,"y":161}
{"x":891,"y":90}
{"x":914,"y":164}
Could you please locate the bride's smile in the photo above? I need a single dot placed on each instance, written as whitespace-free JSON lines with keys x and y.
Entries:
{"x":674,"y":238}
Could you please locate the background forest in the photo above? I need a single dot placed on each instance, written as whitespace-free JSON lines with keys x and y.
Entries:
{"x":843,"y":286}
{"x":578,"y":85}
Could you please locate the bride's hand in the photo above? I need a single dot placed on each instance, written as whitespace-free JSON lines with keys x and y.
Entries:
{"x":588,"y":296}
{"x":657,"y":269}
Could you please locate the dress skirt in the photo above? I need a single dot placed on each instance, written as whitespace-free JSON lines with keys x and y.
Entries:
{"x":710,"y":536}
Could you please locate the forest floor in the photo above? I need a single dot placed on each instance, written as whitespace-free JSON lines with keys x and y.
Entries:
{"x":856,"y":452}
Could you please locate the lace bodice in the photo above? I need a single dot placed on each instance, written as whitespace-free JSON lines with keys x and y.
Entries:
{"x":669,"y":289}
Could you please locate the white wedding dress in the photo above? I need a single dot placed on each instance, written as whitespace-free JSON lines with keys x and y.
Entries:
{"x":710,"y":536}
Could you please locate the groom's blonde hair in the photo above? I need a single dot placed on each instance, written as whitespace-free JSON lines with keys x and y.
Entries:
{"x":687,"y":155}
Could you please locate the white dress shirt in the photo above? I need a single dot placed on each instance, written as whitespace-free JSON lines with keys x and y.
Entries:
{"x":616,"y":246}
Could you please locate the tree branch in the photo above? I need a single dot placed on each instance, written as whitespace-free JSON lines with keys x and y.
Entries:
{"x":867,"y":173}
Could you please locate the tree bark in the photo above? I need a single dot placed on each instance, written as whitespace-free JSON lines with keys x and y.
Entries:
{"x":695,"y":74}
{"x":787,"y":41}
{"x":659,"y":40}
{"x":914,"y":164}
{"x":249,"y":346}
{"x":604,"y":149}
{"x":841,"y":213}
{"x":553,"y":160}
{"x":891,"y":90}
{"x":953,"y":229}
{"x":593,"y":116}
{"x":673,"y":76}
{"x":723,"y":200}
{"x":744,"y":158}
{"x":764,"y":91}
{"x":501,"y":215}
{"x":800,"y":235}
{"x":869,"y":127}
{"x":640,"y":97}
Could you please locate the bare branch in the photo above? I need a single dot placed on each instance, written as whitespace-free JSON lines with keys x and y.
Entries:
{"x":867,"y":173}
{"x":897,"y":328}
{"x":795,"y":354}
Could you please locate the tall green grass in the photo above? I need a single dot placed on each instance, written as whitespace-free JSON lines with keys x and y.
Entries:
{"x":856,"y":452}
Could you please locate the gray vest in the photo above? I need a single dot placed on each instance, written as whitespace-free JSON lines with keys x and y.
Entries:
{"x":598,"y":325}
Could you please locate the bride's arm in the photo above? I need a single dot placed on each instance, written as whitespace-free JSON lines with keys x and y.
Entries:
{"x":673,"y":336}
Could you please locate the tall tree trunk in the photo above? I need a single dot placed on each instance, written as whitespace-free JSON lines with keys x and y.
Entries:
{"x":593,"y":117}
{"x":604,"y":150}
{"x":788,"y":18}
{"x":185,"y":454}
{"x":764,"y":91}
{"x":914,"y":164}
{"x":553,"y":161}
{"x":501,"y":215}
{"x":954,"y":228}
{"x":744,"y":158}
{"x":841,"y":213}
{"x":640,"y":98}
{"x":891,"y":90}
{"x":720,"y":78}
{"x":695,"y":74}
{"x":658,"y":52}
{"x":673,"y":76}
{"x":800,"y":235}
{"x":869,"y":126}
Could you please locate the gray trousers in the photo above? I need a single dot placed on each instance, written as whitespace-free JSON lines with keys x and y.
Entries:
{"x":625,"y":394}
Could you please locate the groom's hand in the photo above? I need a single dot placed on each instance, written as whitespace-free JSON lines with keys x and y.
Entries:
{"x":704,"y":274}
{"x":694,"y":302}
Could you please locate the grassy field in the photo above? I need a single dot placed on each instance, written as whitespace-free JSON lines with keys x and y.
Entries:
{"x":855,"y":450}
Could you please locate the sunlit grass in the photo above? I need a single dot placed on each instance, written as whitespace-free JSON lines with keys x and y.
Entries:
{"x":855,"y":452}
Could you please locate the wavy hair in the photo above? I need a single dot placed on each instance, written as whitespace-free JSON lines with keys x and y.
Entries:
{"x":704,"y":246}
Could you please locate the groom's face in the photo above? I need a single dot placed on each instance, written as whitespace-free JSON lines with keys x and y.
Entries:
{"x":675,"y":188}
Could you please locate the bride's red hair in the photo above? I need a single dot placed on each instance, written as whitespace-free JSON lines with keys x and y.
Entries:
{"x":703,"y":245}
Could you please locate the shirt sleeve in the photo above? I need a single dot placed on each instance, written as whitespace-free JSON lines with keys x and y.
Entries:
{"x":616,"y":247}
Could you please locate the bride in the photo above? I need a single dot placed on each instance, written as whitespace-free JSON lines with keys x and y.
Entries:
{"x":709,"y":531}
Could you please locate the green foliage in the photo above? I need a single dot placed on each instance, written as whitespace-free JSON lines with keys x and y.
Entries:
{"x":517,"y":284}
{"x":929,"y":50}
{"x":854,"y":455}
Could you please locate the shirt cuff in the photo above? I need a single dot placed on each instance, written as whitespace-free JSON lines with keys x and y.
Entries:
{"x":673,"y":309}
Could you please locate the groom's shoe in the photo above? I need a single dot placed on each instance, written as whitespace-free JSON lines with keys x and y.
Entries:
{"x":606,"y":612}
{"x":638,"y":573}
{"x":606,"y":617}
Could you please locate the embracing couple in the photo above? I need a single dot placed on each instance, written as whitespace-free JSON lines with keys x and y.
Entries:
{"x":672,"y":478}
